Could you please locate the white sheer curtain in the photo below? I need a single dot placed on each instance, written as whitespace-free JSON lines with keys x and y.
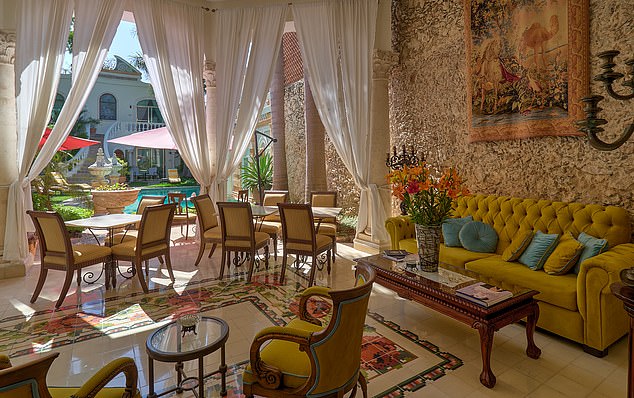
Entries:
{"x":171,"y":36}
{"x":42,"y":31}
{"x":38,"y":66}
{"x":248,"y":41}
{"x":336,"y":40}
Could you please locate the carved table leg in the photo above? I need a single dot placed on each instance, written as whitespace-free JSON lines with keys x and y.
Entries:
{"x":487,"y":378}
{"x":531,"y":322}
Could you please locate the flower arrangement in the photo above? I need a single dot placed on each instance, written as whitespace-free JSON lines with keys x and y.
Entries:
{"x":426,"y":196}
{"x":118,"y":186}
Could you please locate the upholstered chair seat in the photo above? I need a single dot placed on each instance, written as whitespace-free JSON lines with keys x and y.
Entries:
{"x":284,"y":355}
{"x":213,"y":233}
{"x":81,"y":254}
{"x":260,"y":238}
{"x":322,"y":243}
{"x":273,"y":198}
{"x":129,"y":248}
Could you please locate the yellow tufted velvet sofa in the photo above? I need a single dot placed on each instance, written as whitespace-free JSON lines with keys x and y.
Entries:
{"x":578,"y":307}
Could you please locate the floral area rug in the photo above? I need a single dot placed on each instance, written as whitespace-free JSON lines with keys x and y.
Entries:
{"x":395,"y":361}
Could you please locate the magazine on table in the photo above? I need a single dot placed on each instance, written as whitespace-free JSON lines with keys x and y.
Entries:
{"x":484,"y":294}
{"x":395,"y":255}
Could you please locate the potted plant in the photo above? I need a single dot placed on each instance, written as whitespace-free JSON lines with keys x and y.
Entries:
{"x":427,"y":196}
{"x":112,"y":198}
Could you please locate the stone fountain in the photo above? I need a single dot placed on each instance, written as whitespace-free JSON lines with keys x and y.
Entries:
{"x":100,"y":169}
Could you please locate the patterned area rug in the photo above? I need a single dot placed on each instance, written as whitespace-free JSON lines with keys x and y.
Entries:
{"x":396,"y":362}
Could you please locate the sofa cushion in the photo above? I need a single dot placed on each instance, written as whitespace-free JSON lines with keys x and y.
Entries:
{"x":408,"y":244}
{"x":560,"y":290}
{"x":451,"y":228}
{"x":565,"y":255}
{"x":457,"y":256}
{"x":592,"y":247}
{"x":520,"y":242}
{"x":478,"y":237}
{"x":538,"y":250}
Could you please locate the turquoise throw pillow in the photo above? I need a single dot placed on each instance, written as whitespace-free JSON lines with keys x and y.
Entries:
{"x":478,"y":237}
{"x":538,"y":250}
{"x":451,"y":228}
{"x":592,"y":247}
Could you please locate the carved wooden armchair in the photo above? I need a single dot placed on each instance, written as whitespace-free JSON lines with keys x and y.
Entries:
{"x":304,"y":358}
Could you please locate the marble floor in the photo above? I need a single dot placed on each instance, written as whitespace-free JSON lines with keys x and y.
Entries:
{"x":435,"y":356}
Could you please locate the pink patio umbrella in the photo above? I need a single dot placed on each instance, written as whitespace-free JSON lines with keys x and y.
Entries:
{"x":159,"y":138}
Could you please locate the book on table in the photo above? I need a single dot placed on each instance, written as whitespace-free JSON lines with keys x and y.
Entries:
{"x":395,"y":255}
{"x":484,"y":294}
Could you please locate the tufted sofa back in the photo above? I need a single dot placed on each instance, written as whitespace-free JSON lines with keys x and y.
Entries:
{"x":510,"y":215}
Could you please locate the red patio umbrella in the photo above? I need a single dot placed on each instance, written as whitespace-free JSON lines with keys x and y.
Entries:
{"x":70,"y":142}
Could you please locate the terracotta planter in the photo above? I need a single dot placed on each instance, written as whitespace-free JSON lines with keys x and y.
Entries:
{"x":113,"y":202}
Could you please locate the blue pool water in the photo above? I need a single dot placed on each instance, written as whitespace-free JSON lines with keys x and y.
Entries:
{"x":159,"y":191}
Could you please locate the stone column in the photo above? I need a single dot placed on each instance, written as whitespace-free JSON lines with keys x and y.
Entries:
{"x":8,"y":138}
{"x":209,"y":74}
{"x":383,"y":61}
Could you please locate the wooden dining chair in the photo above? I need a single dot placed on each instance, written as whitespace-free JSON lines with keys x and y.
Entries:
{"x":328,"y":225}
{"x":131,"y":233}
{"x":209,"y":230}
{"x":239,"y":235}
{"x":299,"y":237}
{"x":153,"y":240}
{"x":182,"y":216}
{"x":57,"y":252}
{"x":243,"y":195}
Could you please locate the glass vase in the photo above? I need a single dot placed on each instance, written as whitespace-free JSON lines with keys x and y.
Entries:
{"x":428,"y":242}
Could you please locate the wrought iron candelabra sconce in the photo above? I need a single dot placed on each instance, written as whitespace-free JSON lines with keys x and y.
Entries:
{"x":591,"y":124}
{"x":397,"y":161}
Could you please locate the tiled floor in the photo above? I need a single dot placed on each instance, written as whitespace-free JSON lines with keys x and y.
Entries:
{"x":563,"y":370}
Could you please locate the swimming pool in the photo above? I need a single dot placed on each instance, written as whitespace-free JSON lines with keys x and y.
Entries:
{"x":131,"y":209}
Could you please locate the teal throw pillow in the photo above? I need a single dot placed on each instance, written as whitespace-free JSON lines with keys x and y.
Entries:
{"x":592,"y":247}
{"x":451,"y":228}
{"x":537,"y":252}
{"x":478,"y":237}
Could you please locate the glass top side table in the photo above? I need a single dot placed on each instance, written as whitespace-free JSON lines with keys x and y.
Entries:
{"x":189,"y":338}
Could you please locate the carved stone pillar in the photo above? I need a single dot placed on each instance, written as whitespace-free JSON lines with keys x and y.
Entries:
{"x":8,"y":137}
{"x":383,"y":61}
{"x":209,"y":74}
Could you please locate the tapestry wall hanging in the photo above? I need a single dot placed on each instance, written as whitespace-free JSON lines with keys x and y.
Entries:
{"x":527,"y":67}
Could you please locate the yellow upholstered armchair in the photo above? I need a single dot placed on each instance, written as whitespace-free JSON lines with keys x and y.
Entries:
{"x":305,"y":358}
{"x":29,"y":380}
{"x":327,"y":226}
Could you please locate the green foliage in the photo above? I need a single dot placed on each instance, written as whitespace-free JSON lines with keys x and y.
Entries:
{"x":69,"y":213}
{"x":119,"y":186}
{"x":41,"y":202}
{"x":249,"y":173}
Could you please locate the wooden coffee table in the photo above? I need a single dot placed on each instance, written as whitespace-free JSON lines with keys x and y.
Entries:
{"x":438,"y":293}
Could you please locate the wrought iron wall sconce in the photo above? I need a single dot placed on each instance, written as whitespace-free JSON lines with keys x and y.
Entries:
{"x":591,"y":124}
{"x":397,"y":161}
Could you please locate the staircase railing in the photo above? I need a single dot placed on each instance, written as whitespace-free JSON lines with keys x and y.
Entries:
{"x":76,"y":162}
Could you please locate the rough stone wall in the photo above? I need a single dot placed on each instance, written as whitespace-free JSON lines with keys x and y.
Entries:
{"x":339,"y":179}
{"x":428,"y":109}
